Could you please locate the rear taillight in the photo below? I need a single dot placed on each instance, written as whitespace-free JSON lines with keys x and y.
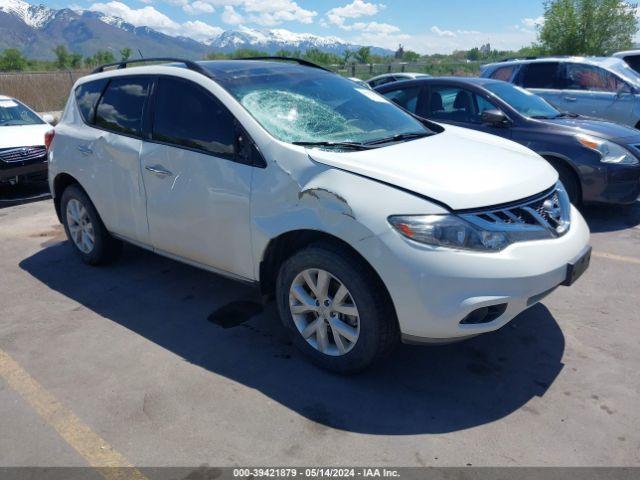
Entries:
{"x":48,"y":138}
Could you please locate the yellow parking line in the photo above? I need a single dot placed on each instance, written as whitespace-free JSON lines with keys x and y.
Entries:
{"x":95,"y":450}
{"x":619,"y":258}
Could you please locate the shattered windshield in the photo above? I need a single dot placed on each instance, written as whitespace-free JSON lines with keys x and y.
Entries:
{"x":303,"y":105}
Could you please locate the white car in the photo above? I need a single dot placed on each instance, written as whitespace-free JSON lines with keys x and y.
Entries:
{"x":368,"y":225}
{"x":23,"y":142}
{"x":360,"y":82}
{"x":394,"y":77}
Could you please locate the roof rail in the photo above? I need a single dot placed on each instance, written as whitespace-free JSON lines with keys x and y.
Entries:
{"x":190,"y":64}
{"x":511,"y":59}
{"x":542,"y":57}
{"x":299,"y":61}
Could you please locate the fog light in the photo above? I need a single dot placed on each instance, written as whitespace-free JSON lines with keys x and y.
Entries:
{"x":484,"y":314}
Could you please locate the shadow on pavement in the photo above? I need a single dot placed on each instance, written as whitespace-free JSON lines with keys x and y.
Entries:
{"x":611,"y":218}
{"x":417,"y":390}
{"x":11,"y":195}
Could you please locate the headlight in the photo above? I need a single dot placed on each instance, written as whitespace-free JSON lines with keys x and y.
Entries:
{"x":609,"y":152}
{"x":448,"y":231}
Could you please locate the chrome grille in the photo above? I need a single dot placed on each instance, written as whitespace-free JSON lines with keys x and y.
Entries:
{"x":22,"y":154}
{"x":547,"y":214}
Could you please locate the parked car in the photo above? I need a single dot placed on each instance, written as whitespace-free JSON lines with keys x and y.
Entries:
{"x":597,"y":160}
{"x":631,"y":57}
{"x":367,"y":224}
{"x":23,"y":142}
{"x":602,"y":87}
{"x":360,"y":82}
{"x":393,"y":77}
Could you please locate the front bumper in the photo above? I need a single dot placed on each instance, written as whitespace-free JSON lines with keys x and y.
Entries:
{"x":32,"y":170}
{"x":433,"y":290}
{"x":616,"y":184}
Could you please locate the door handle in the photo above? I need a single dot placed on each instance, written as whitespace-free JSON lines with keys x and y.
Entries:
{"x":158,"y":170}
{"x":570,"y":99}
{"x":85,"y":149}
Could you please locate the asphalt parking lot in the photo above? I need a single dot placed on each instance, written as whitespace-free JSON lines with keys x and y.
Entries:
{"x":122,"y":365}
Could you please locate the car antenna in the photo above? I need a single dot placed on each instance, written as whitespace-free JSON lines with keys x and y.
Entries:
{"x":140,"y":53}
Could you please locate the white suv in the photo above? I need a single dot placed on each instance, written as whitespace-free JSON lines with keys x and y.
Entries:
{"x":367,"y":224}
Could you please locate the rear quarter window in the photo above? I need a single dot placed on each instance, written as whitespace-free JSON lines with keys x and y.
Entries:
{"x":633,"y":61}
{"x":503,"y":73}
{"x":87,"y":96}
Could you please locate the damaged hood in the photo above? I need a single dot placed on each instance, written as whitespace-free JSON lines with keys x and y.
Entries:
{"x":459,"y":167}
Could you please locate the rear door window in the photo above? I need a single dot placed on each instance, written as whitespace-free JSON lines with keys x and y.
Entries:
{"x":407,"y":98}
{"x":455,"y":104}
{"x":121,"y":108}
{"x":87,"y":96}
{"x":541,"y":75}
{"x":186,"y":115}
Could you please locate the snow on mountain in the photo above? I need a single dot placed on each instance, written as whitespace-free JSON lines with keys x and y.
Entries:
{"x":35,"y":16}
{"x":115,"y":21}
{"x":275,"y":39}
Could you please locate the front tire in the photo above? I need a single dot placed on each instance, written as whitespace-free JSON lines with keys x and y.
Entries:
{"x":85,"y":230}
{"x":335,"y":309}
{"x":570,"y":181}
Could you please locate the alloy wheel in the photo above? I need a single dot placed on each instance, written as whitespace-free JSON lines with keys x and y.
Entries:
{"x":80,"y":226}
{"x":324,"y":312}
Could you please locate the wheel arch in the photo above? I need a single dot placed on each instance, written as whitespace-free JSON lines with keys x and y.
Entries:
{"x":282,"y":247}
{"x":60,"y":184}
{"x":557,"y":159}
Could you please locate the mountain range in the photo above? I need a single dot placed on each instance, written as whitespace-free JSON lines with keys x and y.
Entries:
{"x":36,"y":30}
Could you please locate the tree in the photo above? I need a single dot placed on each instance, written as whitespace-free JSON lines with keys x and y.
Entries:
{"x":587,"y":27}
{"x":346,"y":55}
{"x":12,"y":60}
{"x":125,"y":54}
{"x":473,"y":54}
{"x":99,"y":58}
{"x":248,"y":53}
{"x":410,"y":56}
{"x":316,"y":55}
{"x":75,"y":60}
{"x":363,"y":55}
{"x":63,"y":57}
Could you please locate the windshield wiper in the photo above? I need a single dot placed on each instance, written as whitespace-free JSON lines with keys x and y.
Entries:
{"x":351,"y":145}
{"x":399,"y":138}
{"x":567,"y":114}
{"x":559,"y":115}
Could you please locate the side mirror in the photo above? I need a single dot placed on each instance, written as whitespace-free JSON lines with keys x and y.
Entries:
{"x":623,"y":89}
{"x":494,"y":117}
{"x":48,"y":118}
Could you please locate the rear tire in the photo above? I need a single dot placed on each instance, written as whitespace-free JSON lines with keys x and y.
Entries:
{"x":85,"y":230}
{"x":354,"y":303}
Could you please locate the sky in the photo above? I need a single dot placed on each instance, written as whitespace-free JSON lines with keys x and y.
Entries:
{"x":426,"y":26}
